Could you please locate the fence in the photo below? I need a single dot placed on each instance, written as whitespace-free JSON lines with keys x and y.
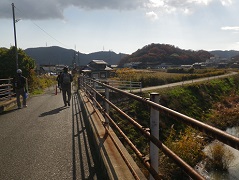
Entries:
{"x":89,"y":87}
{"x":6,"y":89}
{"x":124,"y":85}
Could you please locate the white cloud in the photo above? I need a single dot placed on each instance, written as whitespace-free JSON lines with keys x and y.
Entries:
{"x":152,"y":15}
{"x":156,"y":3}
{"x":205,"y":2}
{"x":232,"y":28}
{"x":226,"y":2}
{"x":176,"y":6}
{"x":186,"y":11}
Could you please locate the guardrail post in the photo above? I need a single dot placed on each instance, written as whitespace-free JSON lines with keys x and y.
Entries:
{"x":141,"y":87}
{"x":9,"y":88}
{"x":83,"y":83}
{"x":107,"y":95}
{"x":154,"y":130}
{"x":79,"y":79}
{"x":90,"y":84}
{"x":94,"y":93}
{"x":130,"y":86}
{"x":86,"y":82}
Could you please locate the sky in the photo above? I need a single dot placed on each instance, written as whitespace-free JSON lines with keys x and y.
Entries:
{"x":122,"y":26}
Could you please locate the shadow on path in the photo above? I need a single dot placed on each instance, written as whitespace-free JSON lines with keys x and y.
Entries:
{"x":84,"y":163}
{"x":54,"y":111}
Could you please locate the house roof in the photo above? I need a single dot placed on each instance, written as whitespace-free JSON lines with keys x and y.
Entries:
{"x":99,"y":62}
{"x":89,"y":68}
{"x":107,"y":68}
{"x":86,"y":70}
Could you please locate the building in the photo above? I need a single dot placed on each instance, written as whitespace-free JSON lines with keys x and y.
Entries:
{"x":97,"y":69}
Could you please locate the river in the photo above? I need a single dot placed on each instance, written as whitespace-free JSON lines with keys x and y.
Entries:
{"x":233,"y":171}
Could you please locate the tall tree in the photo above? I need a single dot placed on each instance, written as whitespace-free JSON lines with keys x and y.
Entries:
{"x":8,"y":63}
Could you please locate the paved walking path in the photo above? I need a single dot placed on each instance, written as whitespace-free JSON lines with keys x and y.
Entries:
{"x":46,"y":141}
{"x":183,"y":82}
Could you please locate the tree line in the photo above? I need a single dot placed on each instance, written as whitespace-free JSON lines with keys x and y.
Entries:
{"x":8,"y":69}
{"x":8,"y":63}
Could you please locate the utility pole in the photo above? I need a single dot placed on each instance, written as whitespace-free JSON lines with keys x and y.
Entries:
{"x":78,"y":58}
{"x":15,"y":36}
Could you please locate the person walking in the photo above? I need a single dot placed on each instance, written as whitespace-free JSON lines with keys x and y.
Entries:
{"x":58,"y":80}
{"x":20,"y":88}
{"x":65,"y":80}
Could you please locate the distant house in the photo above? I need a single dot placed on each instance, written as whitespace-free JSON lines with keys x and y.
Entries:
{"x":47,"y":69}
{"x":197,"y":65}
{"x":222,"y":65}
{"x":134,"y":65}
{"x":98,"y":69}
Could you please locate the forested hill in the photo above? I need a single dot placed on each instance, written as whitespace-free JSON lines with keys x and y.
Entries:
{"x":164,"y":53}
{"x":225,"y":54}
{"x":57,"y":55}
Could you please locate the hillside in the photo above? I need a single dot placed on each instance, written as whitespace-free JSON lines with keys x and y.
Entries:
{"x":225,"y":54}
{"x":155,"y":54}
{"x":152,"y":54}
{"x":58,"y":55}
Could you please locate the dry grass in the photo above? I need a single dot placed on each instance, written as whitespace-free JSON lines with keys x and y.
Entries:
{"x":220,"y":157}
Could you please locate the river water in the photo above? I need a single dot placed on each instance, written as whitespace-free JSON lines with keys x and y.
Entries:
{"x":233,"y":171}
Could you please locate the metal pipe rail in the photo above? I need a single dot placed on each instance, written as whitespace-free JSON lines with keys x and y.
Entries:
{"x":124,"y":85}
{"x":210,"y":130}
{"x":101,"y":109}
{"x":214,"y":132}
{"x":127,"y":140}
{"x":188,"y":169}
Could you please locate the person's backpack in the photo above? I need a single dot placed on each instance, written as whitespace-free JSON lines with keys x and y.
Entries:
{"x":66,"y":78}
{"x":19,"y":82}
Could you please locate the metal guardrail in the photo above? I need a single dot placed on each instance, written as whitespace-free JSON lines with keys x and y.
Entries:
{"x":6,"y":89}
{"x":88,"y":85}
{"x":124,"y":85}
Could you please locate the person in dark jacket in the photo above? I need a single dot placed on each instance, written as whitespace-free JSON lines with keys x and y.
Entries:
{"x":58,"y":81}
{"x":20,"y":88}
{"x":66,"y":80}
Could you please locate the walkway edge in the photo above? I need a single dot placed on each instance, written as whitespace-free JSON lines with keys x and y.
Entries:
{"x":113,"y":162}
{"x":7,"y":104}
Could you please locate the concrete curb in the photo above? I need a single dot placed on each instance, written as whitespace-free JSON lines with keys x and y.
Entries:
{"x":111,"y":159}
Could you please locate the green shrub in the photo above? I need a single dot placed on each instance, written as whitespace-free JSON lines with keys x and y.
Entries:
{"x":37,"y":84}
{"x":187,"y":145}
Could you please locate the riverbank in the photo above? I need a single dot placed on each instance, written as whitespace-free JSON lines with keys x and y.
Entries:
{"x":232,"y":171}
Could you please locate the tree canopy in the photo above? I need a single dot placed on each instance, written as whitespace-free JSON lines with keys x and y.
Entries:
{"x":8,"y":63}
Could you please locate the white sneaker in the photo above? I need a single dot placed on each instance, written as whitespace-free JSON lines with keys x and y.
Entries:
{"x":25,"y":106}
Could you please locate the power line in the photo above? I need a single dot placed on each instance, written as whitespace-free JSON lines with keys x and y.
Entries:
{"x":42,"y":29}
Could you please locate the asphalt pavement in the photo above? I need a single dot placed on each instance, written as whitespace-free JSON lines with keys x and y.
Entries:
{"x":46,"y":141}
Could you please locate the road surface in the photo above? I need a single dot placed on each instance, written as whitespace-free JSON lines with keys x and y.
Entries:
{"x":46,"y":141}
